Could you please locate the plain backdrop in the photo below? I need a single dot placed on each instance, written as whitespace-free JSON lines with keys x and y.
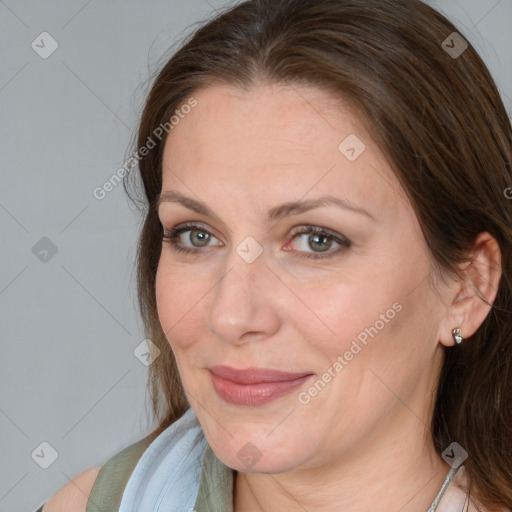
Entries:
{"x":72,"y":390}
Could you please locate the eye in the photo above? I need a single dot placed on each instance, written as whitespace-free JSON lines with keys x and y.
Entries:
{"x":321,"y":239}
{"x":318,"y":238}
{"x":197,"y":233}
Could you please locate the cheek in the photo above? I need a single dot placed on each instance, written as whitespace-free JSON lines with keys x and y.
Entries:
{"x":180,"y":299}
{"x":347,"y":311}
{"x":173,"y":300}
{"x":388,"y":351}
{"x":372,"y":321}
{"x":164,"y":296}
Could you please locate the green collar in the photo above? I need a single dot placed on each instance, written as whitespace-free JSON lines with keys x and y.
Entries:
{"x":215,"y":485}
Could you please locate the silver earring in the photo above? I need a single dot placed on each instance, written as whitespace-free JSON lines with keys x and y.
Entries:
{"x":457,"y":336}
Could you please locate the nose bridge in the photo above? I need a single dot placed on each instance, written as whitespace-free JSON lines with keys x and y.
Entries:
{"x":246,"y":267}
{"x":242,"y":300}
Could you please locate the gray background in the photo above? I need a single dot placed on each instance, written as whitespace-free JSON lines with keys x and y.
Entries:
{"x":69,"y":325}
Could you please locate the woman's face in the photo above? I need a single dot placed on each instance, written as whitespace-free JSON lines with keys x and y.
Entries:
{"x":350,"y":308}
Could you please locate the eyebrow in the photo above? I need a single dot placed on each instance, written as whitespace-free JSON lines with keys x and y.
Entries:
{"x":275,"y":213}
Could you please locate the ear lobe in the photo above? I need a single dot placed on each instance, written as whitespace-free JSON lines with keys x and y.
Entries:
{"x":474,"y":296}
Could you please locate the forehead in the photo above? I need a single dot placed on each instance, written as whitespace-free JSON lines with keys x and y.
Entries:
{"x":275,"y":137}
{"x":279,"y":117}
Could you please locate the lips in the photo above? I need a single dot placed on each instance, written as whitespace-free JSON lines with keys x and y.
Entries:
{"x":254,"y":386}
{"x":255,"y":375}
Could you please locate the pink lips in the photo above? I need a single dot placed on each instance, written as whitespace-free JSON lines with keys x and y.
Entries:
{"x":254,"y":386}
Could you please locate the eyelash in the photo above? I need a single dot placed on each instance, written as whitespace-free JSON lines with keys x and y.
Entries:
{"x":171,"y":236}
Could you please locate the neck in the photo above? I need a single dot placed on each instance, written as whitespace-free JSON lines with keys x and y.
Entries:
{"x":387,"y":475}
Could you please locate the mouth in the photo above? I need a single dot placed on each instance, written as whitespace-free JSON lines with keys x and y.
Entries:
{"x":254,"y":386}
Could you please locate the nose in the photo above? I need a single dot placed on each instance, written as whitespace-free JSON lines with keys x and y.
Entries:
{"x":245,"y":304}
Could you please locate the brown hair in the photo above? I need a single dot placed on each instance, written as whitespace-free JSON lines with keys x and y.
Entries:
{"x":440,"y":121}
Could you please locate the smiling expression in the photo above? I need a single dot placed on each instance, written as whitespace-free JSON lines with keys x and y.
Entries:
{"x":264,"y":283}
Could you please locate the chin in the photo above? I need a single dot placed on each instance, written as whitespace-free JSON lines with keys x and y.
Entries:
{"x":253,"y":453}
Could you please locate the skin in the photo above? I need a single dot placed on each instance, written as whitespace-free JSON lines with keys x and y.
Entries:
{"x":363,"y":442}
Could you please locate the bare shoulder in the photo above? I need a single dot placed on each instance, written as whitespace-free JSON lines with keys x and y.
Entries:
{"x":73,"y":496}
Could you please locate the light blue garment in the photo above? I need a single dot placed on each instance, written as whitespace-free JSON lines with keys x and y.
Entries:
{"x":166,"y":477}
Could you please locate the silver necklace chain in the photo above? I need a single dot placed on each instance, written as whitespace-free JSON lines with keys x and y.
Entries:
{"x":439,"y":495}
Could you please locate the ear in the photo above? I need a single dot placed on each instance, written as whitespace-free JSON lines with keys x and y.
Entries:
{"x":472,"y":298}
